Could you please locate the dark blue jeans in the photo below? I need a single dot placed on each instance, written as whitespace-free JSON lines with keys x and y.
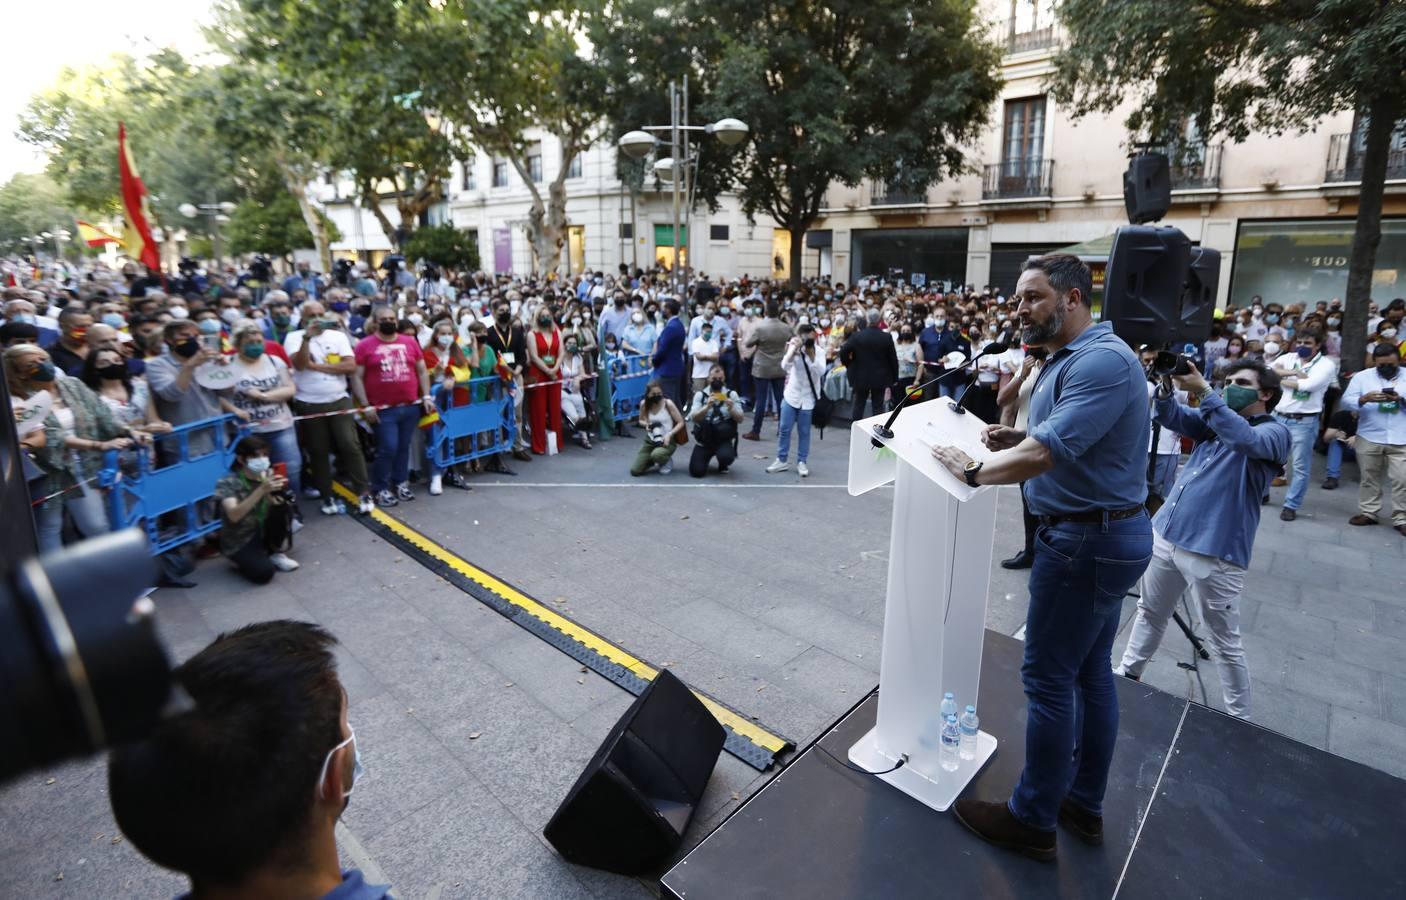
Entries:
{"x":394,"y":431}
{"x":774,"y":387}
{"x":1081,"y":574}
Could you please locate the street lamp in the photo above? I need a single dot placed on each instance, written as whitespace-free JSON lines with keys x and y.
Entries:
{"x":679,"y":167}
{"x":219,"y":213}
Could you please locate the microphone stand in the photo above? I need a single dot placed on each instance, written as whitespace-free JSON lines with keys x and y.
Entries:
{"x":885,"y":430}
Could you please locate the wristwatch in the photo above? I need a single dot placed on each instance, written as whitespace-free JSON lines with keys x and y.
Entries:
{"x":970,"y":470}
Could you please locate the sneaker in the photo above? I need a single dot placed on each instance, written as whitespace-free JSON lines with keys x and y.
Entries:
{"x":1330,"y":483}
{"x":366,"y":505}
{"x":666,"y":468}
{"x":456,"y":480}
{"x":779,"y":465}
{"x":312,"y":493}
{"x":1287,"y":515}
{"x":385,"y":499}
{"x":436,"y":485}
{"x":283,"y":563}
{"x":403,"y":491}
{"x":803,"y":469}
{"x":296,"y":525}
{"x":330,"y":507}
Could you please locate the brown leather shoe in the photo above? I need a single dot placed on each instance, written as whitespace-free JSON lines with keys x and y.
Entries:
{"x":1087,"y":826}
{"x":751,"y":436}
{"x":1279,"y":482}
{"x":1287,"y":515}
{"x":993,"y":822}
{"x":1361,"y":519}
{"x":522,"y":454}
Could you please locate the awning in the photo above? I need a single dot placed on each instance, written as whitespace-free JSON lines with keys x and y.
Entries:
{"x":816,"y":240}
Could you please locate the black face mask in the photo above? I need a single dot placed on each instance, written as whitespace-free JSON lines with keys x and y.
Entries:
{"x":504,"y":317}
{"x":716,"y":384}
{"x":386,"y":327}
{"x":655,"y":398}
{"x":114,"y":372}
{"x":1387,"y":370}
{"x":187,"y":348}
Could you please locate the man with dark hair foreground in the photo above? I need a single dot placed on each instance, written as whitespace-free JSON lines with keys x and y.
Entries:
{"x":1202,"y":536}
{"x":243,"y":792}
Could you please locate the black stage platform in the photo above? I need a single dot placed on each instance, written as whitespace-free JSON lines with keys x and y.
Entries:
{"x":1240,"y":812}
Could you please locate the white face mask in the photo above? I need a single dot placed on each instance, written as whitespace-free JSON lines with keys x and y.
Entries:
{"x":179,"y":312}
{"x":575,"y":320}
{"x":637,"y":318}
{"x":514,"y":306}
{"x":416,"y":318}
{"x":929,"y":322}
{"x":1388,"y":332}
{"x":358,"y":769}
{"x":231,"y":314}
{"x":258,"y":464}
{"x":1271,"y":349}
{"x":444,"y":340}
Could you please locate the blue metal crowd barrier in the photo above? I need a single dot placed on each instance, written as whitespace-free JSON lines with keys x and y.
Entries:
{"x":629,"y":376}
{"x":472,"y":430}
{"x":181,"y":479}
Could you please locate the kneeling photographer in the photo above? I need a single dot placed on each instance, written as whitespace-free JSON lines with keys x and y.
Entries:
{"x":715,"y":414}
{"x":1203,"y":535}
{"x":257,"y":509}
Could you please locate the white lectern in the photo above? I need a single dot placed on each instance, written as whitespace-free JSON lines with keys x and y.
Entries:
{"x":935,"y":612}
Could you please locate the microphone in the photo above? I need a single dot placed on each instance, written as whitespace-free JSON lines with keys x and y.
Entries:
{"x":885,"y":430}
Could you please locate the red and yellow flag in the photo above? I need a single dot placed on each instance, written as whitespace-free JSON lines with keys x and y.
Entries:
{"x":140,"y":244}
{"x":95,"y":236}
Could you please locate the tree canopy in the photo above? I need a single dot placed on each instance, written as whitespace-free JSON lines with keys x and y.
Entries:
{"x":445,"y":246}
{"x":29,"y":205}
{"x":1242,"y":66}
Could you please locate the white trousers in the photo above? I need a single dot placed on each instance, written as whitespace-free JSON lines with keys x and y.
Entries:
{"x":1215,"y":585}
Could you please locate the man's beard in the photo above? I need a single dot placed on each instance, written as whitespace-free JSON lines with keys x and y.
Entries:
{"x":1039,"y":334}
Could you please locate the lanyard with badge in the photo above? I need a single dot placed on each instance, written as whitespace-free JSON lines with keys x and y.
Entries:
{"x":1304,"y":395}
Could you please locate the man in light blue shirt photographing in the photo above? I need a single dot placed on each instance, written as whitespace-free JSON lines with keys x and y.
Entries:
{"x":1202,"y":536}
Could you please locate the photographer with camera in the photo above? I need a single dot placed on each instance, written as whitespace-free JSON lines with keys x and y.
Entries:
{"x":664,"y":431}
{"x":715,"y":414}
{"x":1164,"y":447}
{"x":1375,"y":394}
{"x":804,"y":365}
{"x":1203,"y":535}
{"x":256,"y":509}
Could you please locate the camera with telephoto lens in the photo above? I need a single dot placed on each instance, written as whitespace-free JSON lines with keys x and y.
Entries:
{"x":392,"y":264}
{"x":429,"y":273}
{"x":81,"y":666}
{"x":1169,"y":363}
{"x":341,"y":271}
{"x":261,"y":269}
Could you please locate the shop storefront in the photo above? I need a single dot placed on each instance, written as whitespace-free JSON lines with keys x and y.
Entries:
{"x":1304,"y":261}
{"x":936,"y":255}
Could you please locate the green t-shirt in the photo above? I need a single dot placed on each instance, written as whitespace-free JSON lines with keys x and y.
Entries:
{"x":234,"y":535}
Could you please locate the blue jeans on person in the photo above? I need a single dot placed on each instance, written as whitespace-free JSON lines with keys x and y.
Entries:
{"x":744,"y":386}
{"x":84,"y":505}
{"x":1337,"y":452}
{"x":1303,"y":432}
{"x":283,"y":448}
{"x":1081,"y":573}
{"x":394,"y":431}
{"x":952,"y":387}
{"x":791,"y":417}
{"x":766,"y":387}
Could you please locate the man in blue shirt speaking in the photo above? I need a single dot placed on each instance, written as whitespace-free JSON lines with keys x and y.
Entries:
{"x":1084,"y":461}
{"x":1202,"y":536}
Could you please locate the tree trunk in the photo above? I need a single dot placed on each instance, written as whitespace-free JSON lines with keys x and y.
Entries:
{"x":371,"y":201}
{"x":1382,"y":114}
{"x":546,"y":222}
{"x":798,"y":248}
{"x":298,"y":188}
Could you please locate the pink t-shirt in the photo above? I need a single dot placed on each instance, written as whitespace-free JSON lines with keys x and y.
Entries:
{"x":391,"y":375}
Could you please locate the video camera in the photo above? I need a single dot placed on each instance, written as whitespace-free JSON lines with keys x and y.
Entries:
{"x":429,"y":273}
{"x":261,"y":269}
{"x":342,"y":271}
{"x":188,"y":265}
{"x":392,"y":264}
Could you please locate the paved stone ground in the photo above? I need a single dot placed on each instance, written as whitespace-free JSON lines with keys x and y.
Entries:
{"x":766,"y":591}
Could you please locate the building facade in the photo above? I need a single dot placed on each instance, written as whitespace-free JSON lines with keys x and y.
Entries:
{"x":1279,"y":209}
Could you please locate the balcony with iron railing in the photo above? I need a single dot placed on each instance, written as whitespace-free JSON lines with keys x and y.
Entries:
{"x":892,"y":195}
{"x":1195,"y":167}
{"x":1345,"y":159}
{"x":1021,"y":37}
{"x":1014,"y":179}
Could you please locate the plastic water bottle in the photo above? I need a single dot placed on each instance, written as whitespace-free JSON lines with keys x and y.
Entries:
{"x":970,"y":725}
{"x":949,"y":706}
{"x":951,"y":742}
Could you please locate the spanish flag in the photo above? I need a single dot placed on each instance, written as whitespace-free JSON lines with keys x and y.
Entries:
{"x":140,"y":244}
{"x":95,"y":236}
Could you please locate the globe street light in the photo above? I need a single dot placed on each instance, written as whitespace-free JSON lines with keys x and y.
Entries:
{"x":730,"y":132}
{"x":637,"y":144}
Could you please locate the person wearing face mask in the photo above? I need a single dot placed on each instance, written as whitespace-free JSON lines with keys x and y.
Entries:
{"x":258,"y":830}
{"x":1387,"y":333}
{"x":906,"y":346}
{"x":443,"y":355}
{"x":72,"y":346}
{"x":705,"y":351}
{"x":664,"y":429}
{"x":639,"y":337}
{"x":573,"y":393}
{"x":127,"y":398}
{"x":179,"y":399}
{"x":614,"y":319}
{"x":78,"y":430}
{"x":509,"y":342}
{"x":390,"y":372}
{"x":1234,"y":353}
{"x":1204,"y":535}
{"x":1306,"y":374}
{"x":543,"y":385}
{"x":804,"y":365}
{"x":256,"y":506}
{"x":279,"y":322}
{"x":1376,"y":395}
{"x":262,"y":388}
{"x":715,"y":414}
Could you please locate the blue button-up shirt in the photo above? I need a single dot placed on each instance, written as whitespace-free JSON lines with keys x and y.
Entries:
{"x":1372,"y":423}
{"x":1089,"y":409}
{"x":1214,"y":508}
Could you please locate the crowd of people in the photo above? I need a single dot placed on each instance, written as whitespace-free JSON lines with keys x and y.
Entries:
{"x":341,"y":375}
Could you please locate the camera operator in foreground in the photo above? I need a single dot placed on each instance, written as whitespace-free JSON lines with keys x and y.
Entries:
{"x":242,"y":793}
{"x":1203,"y":535}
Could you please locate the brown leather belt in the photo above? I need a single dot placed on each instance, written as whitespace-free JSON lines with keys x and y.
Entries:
{"x":1091,"y":517}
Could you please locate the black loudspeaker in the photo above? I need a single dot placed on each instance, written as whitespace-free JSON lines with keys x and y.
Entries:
{"x":628,"y":810}
{"x":1198,"y":299}
{"x":1142,"y":286}
{"x":1147,"y":187}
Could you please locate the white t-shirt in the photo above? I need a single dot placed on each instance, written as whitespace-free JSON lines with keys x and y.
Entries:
{"x":701,"y":366}
{"x":1168,"y":441}
{"x":265,"y":374}
{"x":1315,"y":376}
{"x":320,"y":387}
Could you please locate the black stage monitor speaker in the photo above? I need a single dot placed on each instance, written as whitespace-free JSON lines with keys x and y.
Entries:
{"x":1147,"y":187}
{"x":1198,"y":299}
{"x":1142,"y":286}
{"x":628,"y":810}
